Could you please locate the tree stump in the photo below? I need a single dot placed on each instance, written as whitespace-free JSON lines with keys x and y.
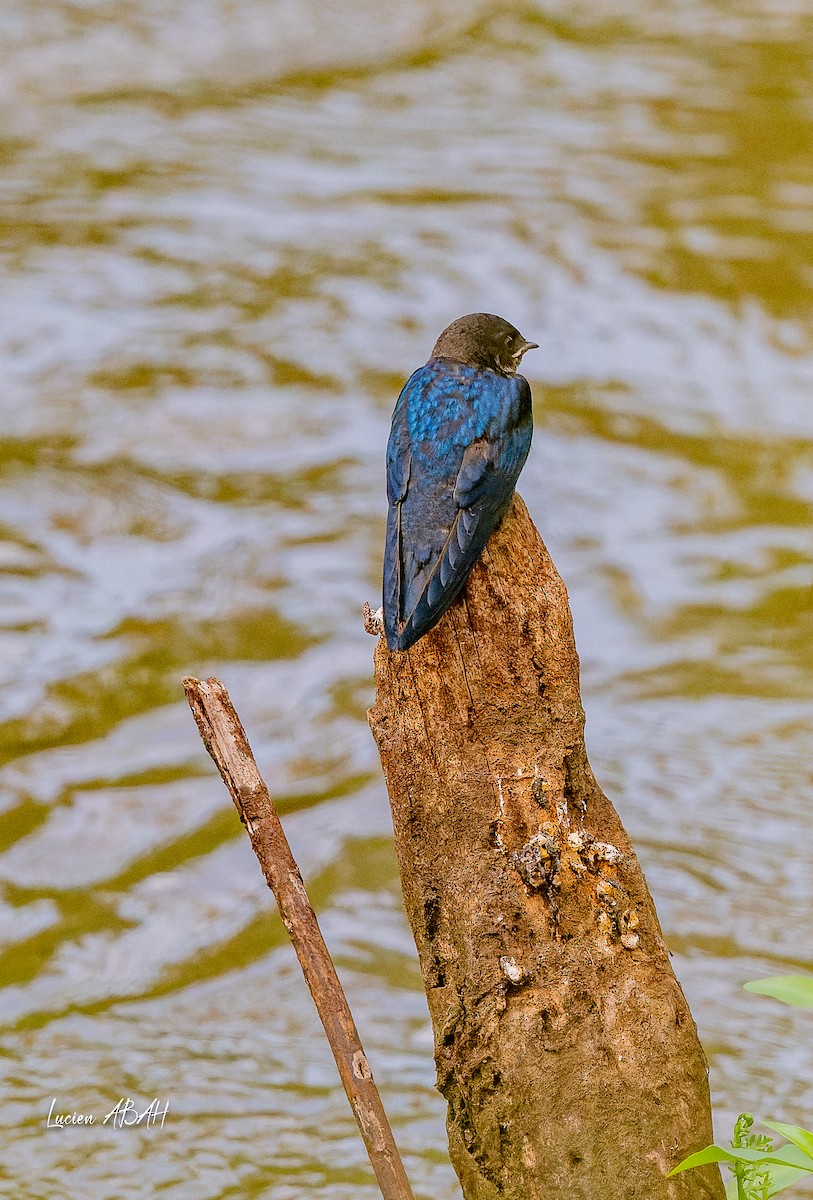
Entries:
{"x":563,"y":1042}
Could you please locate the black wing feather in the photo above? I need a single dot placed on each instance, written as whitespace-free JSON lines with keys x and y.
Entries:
{"x":481,"y":492}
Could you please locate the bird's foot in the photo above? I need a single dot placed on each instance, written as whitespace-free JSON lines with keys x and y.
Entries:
{"x":373,"y":621}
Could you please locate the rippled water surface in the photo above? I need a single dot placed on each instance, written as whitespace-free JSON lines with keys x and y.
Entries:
{"x":229,"y":231}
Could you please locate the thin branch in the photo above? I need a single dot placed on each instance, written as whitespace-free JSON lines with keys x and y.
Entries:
{"x":225,"y":739}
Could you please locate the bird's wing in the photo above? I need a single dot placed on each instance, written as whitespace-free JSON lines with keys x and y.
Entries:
{"x":480,"y":460}
{"x":479,"y":488}
{"x":399,"y":450}
{"x":399,"y":464}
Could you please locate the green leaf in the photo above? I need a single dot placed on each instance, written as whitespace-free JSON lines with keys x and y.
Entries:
{"x":787,"y":1156}
{"x":791,"y":1156}
{"x":783,"y":1177}
{"x":711,"y":1154}
{"x":802,"y":1138}
{"x":790,"y":989}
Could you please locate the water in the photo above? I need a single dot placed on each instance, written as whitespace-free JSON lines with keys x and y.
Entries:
{"x":229,"y":231}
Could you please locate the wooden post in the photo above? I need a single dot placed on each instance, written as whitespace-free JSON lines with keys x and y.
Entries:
{"x":564,"y":1045}
{"x":225,"y":739}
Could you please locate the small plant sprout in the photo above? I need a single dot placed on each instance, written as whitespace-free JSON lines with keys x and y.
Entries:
{"x":761,"y":1171}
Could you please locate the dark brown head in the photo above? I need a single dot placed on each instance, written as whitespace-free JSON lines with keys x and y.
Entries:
{"x":483,"y":340}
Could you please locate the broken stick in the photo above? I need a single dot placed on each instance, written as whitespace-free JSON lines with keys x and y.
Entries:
{"x":225,"y":739}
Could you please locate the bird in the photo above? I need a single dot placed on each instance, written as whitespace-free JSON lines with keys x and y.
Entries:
{"x":461,"y":432}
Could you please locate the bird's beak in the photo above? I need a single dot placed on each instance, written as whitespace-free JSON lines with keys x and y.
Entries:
{"x":523,"y":348}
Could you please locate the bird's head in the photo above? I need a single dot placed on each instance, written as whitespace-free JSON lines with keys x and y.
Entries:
{"x":483,"y":340}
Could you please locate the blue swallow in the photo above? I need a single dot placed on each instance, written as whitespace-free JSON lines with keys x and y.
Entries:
{"x":461,"y":432}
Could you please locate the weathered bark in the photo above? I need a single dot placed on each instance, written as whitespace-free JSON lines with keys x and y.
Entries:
{"x":225,"y":739}
{"x":563,"y":1042}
